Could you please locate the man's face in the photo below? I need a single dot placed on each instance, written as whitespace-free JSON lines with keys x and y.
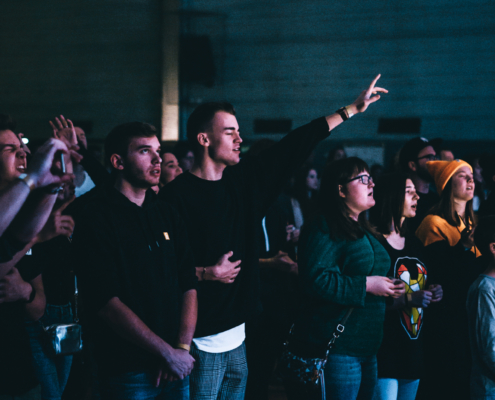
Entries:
{"x":224,"y":139}
{"x":141,"y":165}
{"x":425,"y":155}
{"x":12,"y":157}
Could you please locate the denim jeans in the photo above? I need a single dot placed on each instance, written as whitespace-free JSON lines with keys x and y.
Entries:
{"x":141,"y":386}
{"x":51,"y":371}
{"x":349,"y":378}
{"x":346,"y":378}
{"x":396,"y":389}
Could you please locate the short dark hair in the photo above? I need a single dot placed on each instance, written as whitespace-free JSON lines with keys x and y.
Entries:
{"x":332,"y":206}
{"x":200,"y":120}
{"x":485,"y":234}
{"x":389,"y":194}
{"x":7,"y":123}
{"x":119,"y":138}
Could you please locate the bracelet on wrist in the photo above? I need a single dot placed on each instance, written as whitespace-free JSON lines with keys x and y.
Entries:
{"x":203,"y":274}
{"x":183,"y":347}
{"x":343,"y":113}
{"x":32,"y":295}
{"x":28,"y":181}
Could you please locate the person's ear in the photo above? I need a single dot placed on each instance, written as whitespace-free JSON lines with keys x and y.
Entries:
{"x":412,"y":166}
{"x":341,"y":192}
{"x":491,"y":246}
{"x":203,"y":139}
{"x":117,"y":162}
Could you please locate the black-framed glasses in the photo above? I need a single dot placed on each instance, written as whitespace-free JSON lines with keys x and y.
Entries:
{"x":365,"y":179}
{"x":429,"y":157}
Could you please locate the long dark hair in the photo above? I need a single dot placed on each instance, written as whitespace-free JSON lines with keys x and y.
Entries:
{"x":332,"y":206}
{"x":445,"y":208}
{"x":301,"y":192}
{"x":389,"y":194}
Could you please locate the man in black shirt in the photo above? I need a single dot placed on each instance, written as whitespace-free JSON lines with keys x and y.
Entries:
{"x":223,"y":202}
{"x":137,"y":278}
{"x":412,"y":160}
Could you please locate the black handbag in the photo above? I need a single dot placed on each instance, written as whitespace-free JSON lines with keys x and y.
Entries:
{"x":65,"y":339}
{"x":308,"y":372}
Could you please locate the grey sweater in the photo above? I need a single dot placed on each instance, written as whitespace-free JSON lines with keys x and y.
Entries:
{"x":481,"y":323}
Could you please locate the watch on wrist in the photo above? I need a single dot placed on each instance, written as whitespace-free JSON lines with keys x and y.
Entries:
{"x":349,"y":112}
{"x":26,"y":178}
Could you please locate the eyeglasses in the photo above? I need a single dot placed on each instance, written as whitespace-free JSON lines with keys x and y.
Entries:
{"x":365,"y":179}
{"x":429,"y":157}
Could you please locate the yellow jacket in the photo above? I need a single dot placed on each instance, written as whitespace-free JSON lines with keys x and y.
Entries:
{"x":435,"y":228}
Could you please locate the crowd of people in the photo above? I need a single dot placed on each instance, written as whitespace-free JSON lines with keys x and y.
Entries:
{"x":192,"y":265}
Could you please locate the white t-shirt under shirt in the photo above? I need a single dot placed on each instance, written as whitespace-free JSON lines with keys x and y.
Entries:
{"x":86,"y":186}
{"x":223,"y":341}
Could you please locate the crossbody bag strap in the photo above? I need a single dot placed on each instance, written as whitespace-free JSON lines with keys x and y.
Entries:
{"x":76,"y":295}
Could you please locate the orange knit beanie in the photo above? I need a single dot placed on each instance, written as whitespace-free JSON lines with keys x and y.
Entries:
{"x":442,"y":171}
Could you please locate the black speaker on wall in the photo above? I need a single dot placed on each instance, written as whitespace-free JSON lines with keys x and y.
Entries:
{"x":196,"y":62}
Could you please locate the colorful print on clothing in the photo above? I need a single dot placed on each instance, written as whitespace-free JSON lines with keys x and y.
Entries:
{"x":413,"y":273}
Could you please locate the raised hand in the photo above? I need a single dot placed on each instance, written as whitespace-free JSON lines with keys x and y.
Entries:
{"x":224,"y":270}
{"x":44,"y":167}
{"x":64,"y":130}
{"x":58,"y":224}
{"x":366,"y":97}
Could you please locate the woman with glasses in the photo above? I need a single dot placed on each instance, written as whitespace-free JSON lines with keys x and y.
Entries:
{"x":341,"y":266}
{"x":447,"y":234}
{"x":399,"y":371}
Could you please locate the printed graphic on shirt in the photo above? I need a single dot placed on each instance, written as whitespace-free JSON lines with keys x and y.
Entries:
{"x":413,"y":273}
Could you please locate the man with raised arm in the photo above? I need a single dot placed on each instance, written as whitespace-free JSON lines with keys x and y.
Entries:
{"x":26,"y":193}
{"x":223,"y":202}
{"x":137,"y":278}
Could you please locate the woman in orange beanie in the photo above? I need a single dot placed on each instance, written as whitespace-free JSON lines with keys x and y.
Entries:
{"x":447,"y":234}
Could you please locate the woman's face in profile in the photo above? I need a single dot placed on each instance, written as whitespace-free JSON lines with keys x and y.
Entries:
{"x":358,"y":195}
{"x":410,"y":200}
{"x":463,"y":184}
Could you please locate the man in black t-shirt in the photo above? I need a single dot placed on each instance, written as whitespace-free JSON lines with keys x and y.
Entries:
{"x":223,"y":202}
{"x":412,"y":160}
{"x":137,"y":279}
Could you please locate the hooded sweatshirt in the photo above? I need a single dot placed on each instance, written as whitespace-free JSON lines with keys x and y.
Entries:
{"x":140,"y":255}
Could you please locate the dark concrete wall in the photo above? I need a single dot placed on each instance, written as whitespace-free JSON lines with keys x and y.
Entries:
{"x":97,"y":61}
{"x":303,"y":59}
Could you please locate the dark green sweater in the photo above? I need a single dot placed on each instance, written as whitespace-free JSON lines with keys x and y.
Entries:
{"x":333,"y":277}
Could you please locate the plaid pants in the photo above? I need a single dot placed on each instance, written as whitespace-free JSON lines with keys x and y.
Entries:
{"x":219,"y":376}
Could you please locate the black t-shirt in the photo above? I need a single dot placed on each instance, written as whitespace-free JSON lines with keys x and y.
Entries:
{"x":53,"y":259}
{"x":221,"y":230}
{"x":140,"y":255}
{"x":16,"y":364}
{"x":245,"y":193}
{"x":425,"y":203}
{"x":401,"y":353}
